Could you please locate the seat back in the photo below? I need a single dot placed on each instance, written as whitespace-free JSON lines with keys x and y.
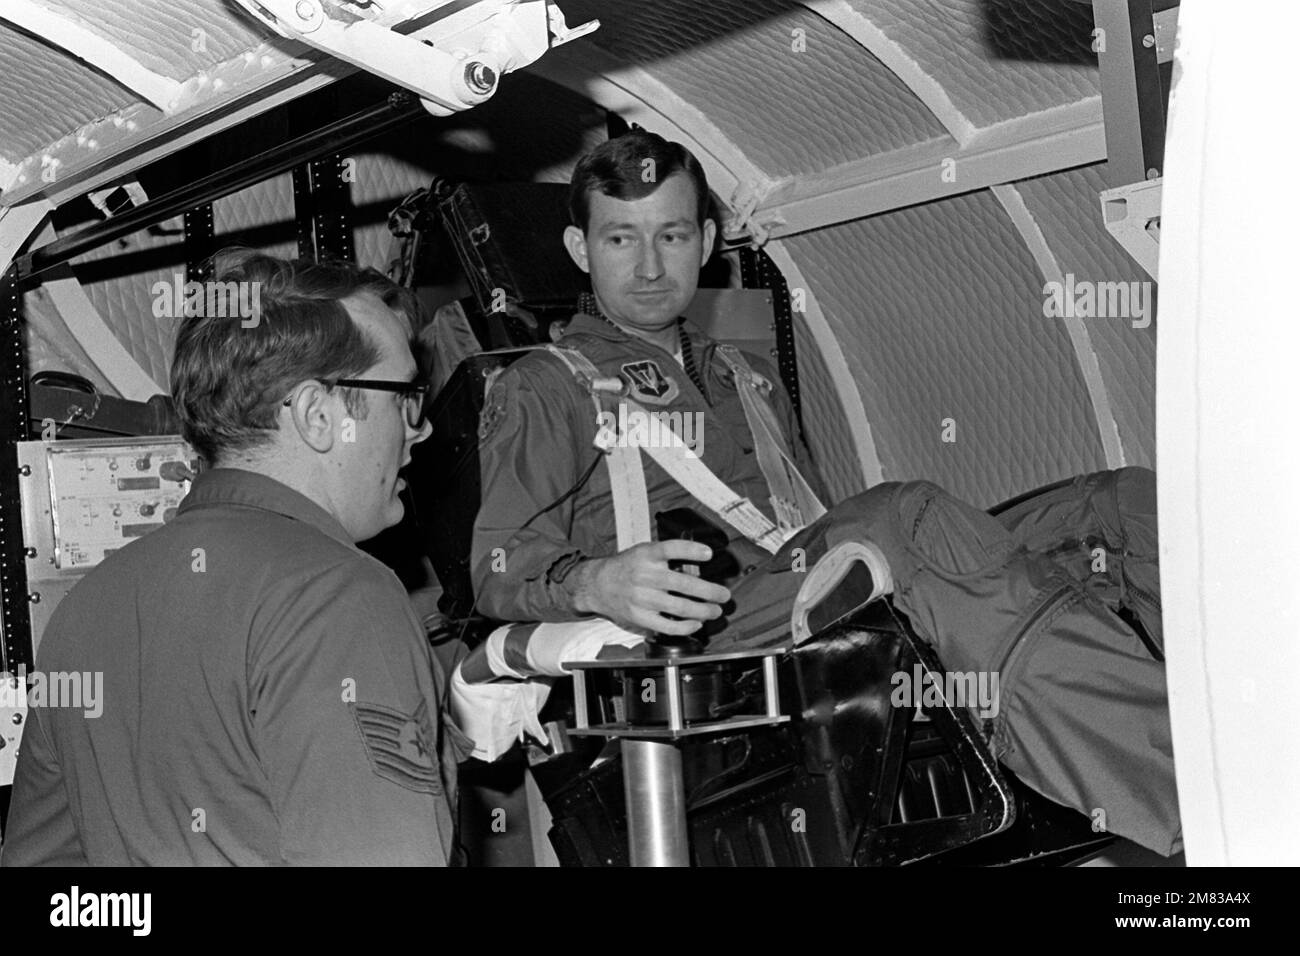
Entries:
{"x":444,"y":480}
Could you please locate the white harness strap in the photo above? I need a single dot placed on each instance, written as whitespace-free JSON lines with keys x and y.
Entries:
{"x":623,"y":461}
{"x":793,"y":501}
{"x":686,"y":468}
{"x":627,"y":475}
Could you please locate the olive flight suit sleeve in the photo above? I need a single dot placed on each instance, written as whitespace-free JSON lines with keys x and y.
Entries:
{"x":530,"y":457}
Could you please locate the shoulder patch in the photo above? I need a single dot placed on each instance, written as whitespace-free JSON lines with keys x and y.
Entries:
{"x":402,"y":748}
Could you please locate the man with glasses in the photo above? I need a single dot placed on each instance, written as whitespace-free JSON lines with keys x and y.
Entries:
{"x":269,"y":696}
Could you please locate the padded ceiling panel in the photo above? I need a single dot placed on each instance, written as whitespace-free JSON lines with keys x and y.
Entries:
{"x":45,"y":94}
{"x":939,"y":310}
{"x":824,"y":425}
{"x":996,"y":59}
{"x":160,"y":34}
{"x":1068,"y":211}
{"x":792,"y":112}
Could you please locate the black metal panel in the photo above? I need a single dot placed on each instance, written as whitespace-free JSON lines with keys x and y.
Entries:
{"x":199,"y":243}
{"x":322,"y":206}
{"x":758,"y":271}
{"x":15,"y":618}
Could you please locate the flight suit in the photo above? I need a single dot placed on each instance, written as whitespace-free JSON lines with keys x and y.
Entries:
{"x":536,"y":444}
{"x":986,"y":605}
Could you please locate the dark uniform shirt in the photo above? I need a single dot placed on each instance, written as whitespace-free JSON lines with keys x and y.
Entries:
{"x":536,"y":434}
{"x":268,"y":698}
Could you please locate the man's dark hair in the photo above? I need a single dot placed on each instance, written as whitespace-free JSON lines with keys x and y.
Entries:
{"x":630,"y":167}
{"x":230,"y":375}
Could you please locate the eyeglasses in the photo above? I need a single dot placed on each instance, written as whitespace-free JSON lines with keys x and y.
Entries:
{"x":412,"y":393}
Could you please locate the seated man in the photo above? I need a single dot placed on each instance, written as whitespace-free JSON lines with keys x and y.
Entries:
{"x":561,"y":537}
{"x":268,"y":693}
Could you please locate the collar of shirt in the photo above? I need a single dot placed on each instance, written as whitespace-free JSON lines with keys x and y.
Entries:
{"x":588,"y":320}
{"x":247,"y":489}
{"x":601,"y":327}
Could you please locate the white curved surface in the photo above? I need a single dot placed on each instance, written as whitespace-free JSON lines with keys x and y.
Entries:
{"x":1229,"y":462}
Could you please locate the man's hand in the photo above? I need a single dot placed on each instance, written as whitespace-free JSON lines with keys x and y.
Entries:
{"x":634,"y":588}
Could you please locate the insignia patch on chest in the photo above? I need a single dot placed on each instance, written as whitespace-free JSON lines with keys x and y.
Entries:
{"x":648,"y":384}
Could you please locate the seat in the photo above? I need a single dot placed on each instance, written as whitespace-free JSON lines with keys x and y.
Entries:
{"x":850,"y":781}
{"x":877,"y":784}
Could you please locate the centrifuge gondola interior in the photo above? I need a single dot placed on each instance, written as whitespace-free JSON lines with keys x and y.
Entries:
{"x":1015,"y":269}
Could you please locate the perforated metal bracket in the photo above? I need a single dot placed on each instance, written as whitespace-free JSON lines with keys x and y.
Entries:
{"x":1132,"y":216}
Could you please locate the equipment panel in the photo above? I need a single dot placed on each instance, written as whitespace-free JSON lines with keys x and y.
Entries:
{"x":83,"y":500}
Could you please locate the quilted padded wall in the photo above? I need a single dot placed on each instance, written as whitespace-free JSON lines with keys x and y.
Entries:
{"x":996,"y":59}
{"x":119,"y":280}
{"x":1067,"y":210}
{"x":792,"y":112}
{"x":824,"y":424}
{"x":51,"y":347}
{"x":260,"y":216}
{"x":45,"y":94}
{"x":939,"y":311}
{"x":382,"y":180}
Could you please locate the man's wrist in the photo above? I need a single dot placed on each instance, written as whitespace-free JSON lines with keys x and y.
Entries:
{"x":580,"y":586}
{"x":566,"y":578}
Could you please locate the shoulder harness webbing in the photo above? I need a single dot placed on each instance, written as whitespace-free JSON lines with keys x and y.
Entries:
{"x":793,"y":501}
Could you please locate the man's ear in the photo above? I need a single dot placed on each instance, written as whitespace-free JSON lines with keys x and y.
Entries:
{"x":312,"y":417}
{"x":710,"y":235}
{"x":575,"y":241}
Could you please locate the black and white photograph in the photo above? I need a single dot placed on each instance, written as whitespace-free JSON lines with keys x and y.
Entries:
{"x":620,"y":434}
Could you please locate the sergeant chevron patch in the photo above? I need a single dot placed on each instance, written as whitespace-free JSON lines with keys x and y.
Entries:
{"x":401,"y":748}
